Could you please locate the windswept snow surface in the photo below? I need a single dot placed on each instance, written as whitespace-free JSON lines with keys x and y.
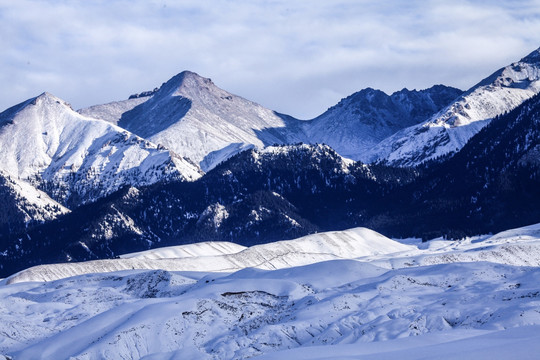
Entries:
{"x":47,"y":144}
{"x":212,"y":248}
{"x":390,"y":299}
{"x":448,"y":131}
{"x":228,"y":257}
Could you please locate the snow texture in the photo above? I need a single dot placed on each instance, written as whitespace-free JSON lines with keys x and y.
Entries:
{"x":380,"y":299}
{"x":34,"y":204}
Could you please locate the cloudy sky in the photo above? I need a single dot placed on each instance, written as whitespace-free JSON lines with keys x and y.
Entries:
{"x":297,"y":57}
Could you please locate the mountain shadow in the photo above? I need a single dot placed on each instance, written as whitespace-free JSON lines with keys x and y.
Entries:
{"x":145,"y":122}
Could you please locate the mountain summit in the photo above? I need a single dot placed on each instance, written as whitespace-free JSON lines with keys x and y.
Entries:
{"x":195,"y":118}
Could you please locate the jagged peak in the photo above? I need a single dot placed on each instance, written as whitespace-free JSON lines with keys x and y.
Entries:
{"x":143,"y":94}
{"x":370,"y":94}
{"x":367,"y":93}
{"x":436,"y":87}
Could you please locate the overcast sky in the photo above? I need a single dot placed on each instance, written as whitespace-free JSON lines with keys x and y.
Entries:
{"x":297,"y":57}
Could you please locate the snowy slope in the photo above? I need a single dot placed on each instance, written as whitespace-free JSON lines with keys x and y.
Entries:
{"x":112,"y":112}
{"x":211,"y":248}
{"x":447,"y":131}
{"x":195,"y":118}
{"x":360,"y":121}
{"x":371,"y":307}
{"x":22,"y":203}
{"x":224,"y":256}
{"x":76,"y":158}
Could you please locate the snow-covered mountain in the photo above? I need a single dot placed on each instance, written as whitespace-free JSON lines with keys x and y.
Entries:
{"x":448,"y":131}
{"x":491,"y":184}
{"x":378,"y":298}
{"x":362,"y":120}
{"x":77,"y":159}
{"x":193,"y":117}
{"x":283,"y":192}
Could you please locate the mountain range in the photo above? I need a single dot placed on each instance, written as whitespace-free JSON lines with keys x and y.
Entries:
{"x":190,"y":162}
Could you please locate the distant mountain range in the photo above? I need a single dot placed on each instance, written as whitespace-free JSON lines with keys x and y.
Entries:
{"x":130,"y":175}
{"x":195,"y":118}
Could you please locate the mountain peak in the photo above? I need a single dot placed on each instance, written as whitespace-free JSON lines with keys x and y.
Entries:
{"x":47,"y":98}
{"x":186,"y":80}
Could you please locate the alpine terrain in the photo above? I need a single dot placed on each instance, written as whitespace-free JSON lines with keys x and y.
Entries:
{"x":188,"y":222}
{"x":76,"y":159}
{"x":449,"y":130}
{"x":193,"y":117}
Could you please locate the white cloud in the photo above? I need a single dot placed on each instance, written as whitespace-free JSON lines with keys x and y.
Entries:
{"x":298,"y":57}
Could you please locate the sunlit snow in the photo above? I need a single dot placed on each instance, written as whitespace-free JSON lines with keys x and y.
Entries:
{"x":332,"y":295}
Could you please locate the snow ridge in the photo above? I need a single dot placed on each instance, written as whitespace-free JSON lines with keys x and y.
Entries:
{"x":195,"y":118}
{"x":228,"y":257}
{"x":77,"y":159}
{"x":360,"y":121}
{"x":448,"y":131}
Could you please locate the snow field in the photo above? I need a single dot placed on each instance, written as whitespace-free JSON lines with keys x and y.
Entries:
{"x":386,"y":301}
